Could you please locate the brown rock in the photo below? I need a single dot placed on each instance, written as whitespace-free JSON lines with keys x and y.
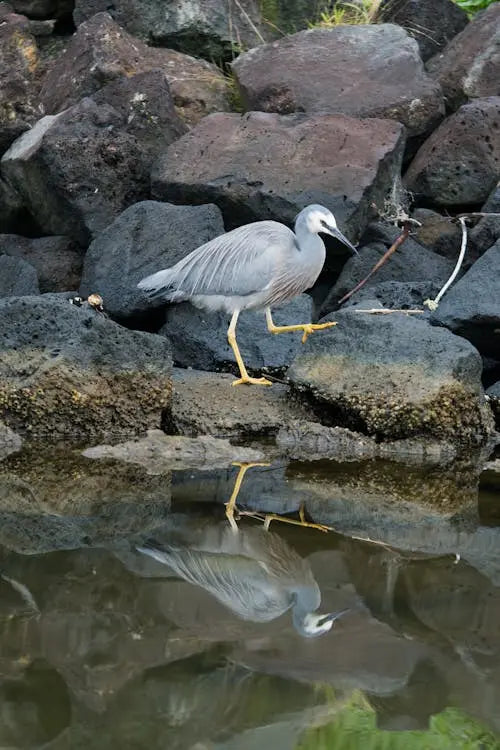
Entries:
{"x":102,"y":51}
{"x":362,"y":71}
{"x":19,"y":85}
{"x":469,"y":66}
{"x":460,"y":162}
{"x":269,"y":166}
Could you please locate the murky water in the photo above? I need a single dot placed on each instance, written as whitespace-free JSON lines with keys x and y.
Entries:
{"x":220,"y":645}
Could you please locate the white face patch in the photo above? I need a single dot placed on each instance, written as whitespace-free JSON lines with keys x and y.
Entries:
{"x":316,"y":220}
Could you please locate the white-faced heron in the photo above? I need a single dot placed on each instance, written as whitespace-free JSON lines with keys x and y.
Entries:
{"x":252,"y":267}
{"x":254,"y":573}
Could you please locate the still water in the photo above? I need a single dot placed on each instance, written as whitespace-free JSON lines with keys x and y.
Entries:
{"x":223,"y":643}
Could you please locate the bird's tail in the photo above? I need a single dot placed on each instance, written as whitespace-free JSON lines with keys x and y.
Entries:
{"x":161,"y":285}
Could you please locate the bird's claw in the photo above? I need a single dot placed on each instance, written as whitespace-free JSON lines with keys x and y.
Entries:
{"x":311,"y":327}
{"x":251,"y":381}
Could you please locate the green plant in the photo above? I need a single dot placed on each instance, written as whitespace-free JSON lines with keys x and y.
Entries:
{"x":361,"y":12}
{"x":473,"y":6}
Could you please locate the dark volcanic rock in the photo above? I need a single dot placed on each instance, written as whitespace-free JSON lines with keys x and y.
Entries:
{"x":267,"y":166}
{"x":439,"y":234}
{"x":199,"y":338}
{"x":57,"y":260}
{"x":43,"y":8}
{"x":471,"y":307}
{"x":145,"y":238}
{"x":212,"y":29}
{"x":411,"y":263}
{"x":432,"y":23}
{"x":469,"y":66}
{"x":69,"y":371}
{"x":487,"y":230}
{"x":333,"y":70}
{"x":395,"y":295}
{"x":19,"y":84}
{"x":493,"y":393}
{"x":17,"y":278}
{"x":394,"y":376}
{"x":102,"y":51}
{"x":11,"y":208}
{"x":77,"y":170}
{"x":460,"y":162}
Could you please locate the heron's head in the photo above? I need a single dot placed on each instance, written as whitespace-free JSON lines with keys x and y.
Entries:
{"x":313,"y":624}
{"x":319,"y":219}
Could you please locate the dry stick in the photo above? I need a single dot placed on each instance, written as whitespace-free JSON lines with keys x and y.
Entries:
{"x":433,"y":303}
{"x":402,"y":237}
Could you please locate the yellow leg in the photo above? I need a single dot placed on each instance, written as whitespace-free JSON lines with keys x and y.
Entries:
{"x":307,"y":328}
{"x":245,"y":377}
{"x":231,"y":503}
{"x":266,"y":518}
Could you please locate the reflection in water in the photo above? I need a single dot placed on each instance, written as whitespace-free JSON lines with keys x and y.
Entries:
{"x":105,"y":647}
{"x":253,"y":572}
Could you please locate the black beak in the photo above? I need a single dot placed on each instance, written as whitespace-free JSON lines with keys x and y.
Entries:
{"x":338,"y":234}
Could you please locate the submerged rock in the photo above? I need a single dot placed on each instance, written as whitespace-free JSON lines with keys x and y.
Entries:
{"x":70,"y":372}
{"x":334,"y":70}
{"x":157,"y":452}
{"x":268,"y":166}
{"x":395,"y":377}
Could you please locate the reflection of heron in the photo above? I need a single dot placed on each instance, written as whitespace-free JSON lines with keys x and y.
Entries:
{"x":252,"y":267}
{"x":254,"y":573}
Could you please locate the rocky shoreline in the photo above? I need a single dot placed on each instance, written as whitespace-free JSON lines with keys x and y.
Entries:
{"x":121,"y":152}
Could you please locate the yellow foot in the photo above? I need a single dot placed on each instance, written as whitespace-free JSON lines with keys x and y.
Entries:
{"x":309,"y":328}
{"x":305,"y":524}
{"x":251,"y":381}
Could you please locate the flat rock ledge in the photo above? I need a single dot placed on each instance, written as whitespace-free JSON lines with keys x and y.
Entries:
{"x":158,"y":453}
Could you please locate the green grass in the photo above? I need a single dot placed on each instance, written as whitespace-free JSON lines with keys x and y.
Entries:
{"x":473,"y":6}
{"x":355,"y":728}
{"x":348,"y":13}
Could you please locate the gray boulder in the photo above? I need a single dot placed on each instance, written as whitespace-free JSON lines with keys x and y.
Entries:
{"x":101,"y":51}
{"x":40,"y":9}
{"x":57,"y":260}
{"x":394,"y":377}
{"x":10,"y":442}
{"x":212,"y":29}
{"x":460,"y":162}
{"x":12,"y":212}
{"x":432,"y":23}
{"x":69,"y":371}
{"x":487,"y":230}
{"x":268,"y":166}
{"x":19,"y":81}
{"x":145,"y":238}
{"x":118,"y":134}
{"x":17,"y":278}
{"x":471,"y":307}
{"x":199,"y":338}
{"x":333,"y":70}
{"x":411,"y":263}
{"x":469,"y":66}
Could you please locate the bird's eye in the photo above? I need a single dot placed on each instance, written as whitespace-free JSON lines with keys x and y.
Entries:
{"x":323,"y":223}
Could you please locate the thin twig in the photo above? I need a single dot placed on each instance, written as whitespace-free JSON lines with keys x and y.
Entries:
{"x":250,"y":22}
{"x":433,"y":303}
{"x":402,"y":237}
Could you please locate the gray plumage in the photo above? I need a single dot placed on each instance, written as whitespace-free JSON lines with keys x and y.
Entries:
{"x":254,"y":266}
{"x":254,"y":573}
